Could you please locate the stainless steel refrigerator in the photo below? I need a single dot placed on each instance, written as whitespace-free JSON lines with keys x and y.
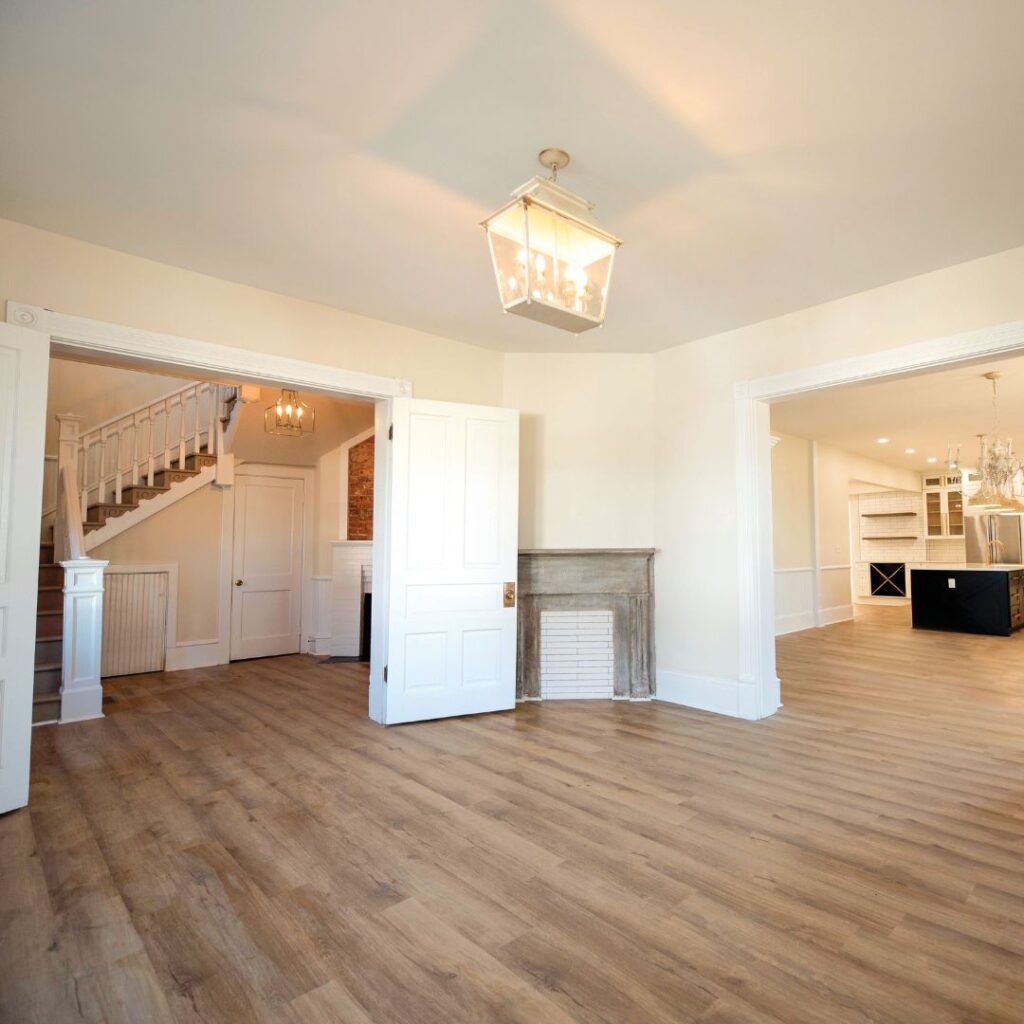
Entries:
{"x":993,"y":540}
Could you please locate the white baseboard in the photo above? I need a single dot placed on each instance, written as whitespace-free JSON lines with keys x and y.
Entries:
{"x":195,"y":654}
{"x":794,"y":622}
{"x":80,"y":704}
{"x":708,"y":693}
{"x":320,"y":644}
{"x":840,"y":613}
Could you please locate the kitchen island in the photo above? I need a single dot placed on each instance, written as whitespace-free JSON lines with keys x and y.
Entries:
{"x":971,"y":598}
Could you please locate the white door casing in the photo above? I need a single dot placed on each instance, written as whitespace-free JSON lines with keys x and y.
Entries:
{"x":24,"y":364}
{"x":266,"y":595}
{"x":453,"y":543}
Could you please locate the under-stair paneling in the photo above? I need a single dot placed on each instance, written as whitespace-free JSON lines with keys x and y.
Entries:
{"x":134,"y":622}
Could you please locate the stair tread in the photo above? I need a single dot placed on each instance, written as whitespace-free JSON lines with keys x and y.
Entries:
{"x":46,"y":698}
{"x":51,"y":611}
{"x":47,"y":666}
{"x":50,"y":586}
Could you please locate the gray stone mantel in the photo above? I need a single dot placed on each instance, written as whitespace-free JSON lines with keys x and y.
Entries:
{"x":618,"y":579}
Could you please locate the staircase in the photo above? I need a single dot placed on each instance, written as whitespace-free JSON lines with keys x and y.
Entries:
{"x":49,"y":638}
{"x":107,"y":480}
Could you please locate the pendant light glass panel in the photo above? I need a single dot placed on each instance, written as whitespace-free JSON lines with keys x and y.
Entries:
{"x":550,"y":264}
{"x":288,"y":416}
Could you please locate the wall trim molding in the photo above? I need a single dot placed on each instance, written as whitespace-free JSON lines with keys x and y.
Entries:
{"x":731,"y":697}
{"x":754,"y":540}
{"x":77,"y":334}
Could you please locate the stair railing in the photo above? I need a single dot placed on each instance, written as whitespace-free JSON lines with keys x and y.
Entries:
{"x":130,"y":449}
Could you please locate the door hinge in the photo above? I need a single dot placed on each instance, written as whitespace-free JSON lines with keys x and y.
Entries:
{"x":391,"y":432}
{"x":385,"y":673}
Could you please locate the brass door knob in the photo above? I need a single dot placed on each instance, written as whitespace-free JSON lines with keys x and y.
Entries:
{"x":238,"y":583}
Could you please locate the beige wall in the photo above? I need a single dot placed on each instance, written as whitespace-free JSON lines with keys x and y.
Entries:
{"x":188,"y":534}
{"x":98,"y":393}
{"x":64,"y":274}
{"x":587,"y":460}
{"x":792,"y":503}
{"x":695,"y":526}
{"x":840,"y":474}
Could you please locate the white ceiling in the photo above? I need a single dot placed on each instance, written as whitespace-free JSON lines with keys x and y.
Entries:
{"x":926,"y":412}
{"x":757,"y":158}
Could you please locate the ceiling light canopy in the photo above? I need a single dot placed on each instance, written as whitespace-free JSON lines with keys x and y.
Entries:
{"x":288,"y":416}
{"x":551,"y":260}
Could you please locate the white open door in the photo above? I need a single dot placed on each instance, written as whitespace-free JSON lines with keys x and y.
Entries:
{"x":453,"y":541}
{"x":24,"y":362}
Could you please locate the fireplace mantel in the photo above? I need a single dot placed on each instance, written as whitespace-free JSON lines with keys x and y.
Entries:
{"x":618,"y":579}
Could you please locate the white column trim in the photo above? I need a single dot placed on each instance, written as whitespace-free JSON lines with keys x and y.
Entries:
{"x":81,"y":691}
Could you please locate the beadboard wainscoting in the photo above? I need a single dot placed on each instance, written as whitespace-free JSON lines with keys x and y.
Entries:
{"x":584,"y":586}
{"x":319,"y":641}
{"x":178,"y":654}
{"x":351,"y":576}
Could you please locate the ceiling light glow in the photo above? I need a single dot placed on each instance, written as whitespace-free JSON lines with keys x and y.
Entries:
{"x":909,"y":451}
{"x":883,"y":440}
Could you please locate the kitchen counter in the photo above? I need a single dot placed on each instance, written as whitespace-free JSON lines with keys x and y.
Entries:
{"x":968,"y":598}
{"x":969,"y":567}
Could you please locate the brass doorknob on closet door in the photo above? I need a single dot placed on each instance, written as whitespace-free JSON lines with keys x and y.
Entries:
{"x":238,"y":583}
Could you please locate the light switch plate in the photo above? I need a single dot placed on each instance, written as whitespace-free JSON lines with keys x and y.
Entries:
{"x":951,"y":582}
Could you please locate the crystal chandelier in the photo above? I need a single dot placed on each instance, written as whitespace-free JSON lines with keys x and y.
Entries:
{"x":551,"y":260}
{"x":289,"y":417}
{"x":998,"y":481}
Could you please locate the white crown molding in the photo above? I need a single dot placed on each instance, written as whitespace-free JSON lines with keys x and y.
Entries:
{"x":998,"y":340}
{"x":235,"y":365}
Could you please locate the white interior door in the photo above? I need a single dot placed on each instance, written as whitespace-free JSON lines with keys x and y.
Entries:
{"x":453,"y":540}
{"x":266,"y":596}
{"x":24,"y":362}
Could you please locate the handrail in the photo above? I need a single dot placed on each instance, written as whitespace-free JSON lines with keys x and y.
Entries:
{"x":160,"y":400}
{"x":68,"y":534}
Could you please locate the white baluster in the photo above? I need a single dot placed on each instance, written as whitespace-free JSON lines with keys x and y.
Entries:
{"x":167,"y":434}
{"x":197,"y":426}
{"x":150,"y":446}
{"x":181,"y":433}
{"x":211,"y":400}
{"x":84,"y":479}
{"x":136,"y":420}
{"x":118,"y":444}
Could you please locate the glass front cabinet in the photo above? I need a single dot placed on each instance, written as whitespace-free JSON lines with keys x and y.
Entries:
{"x":943,"y":506}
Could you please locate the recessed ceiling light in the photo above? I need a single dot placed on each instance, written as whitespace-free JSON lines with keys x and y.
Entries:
{"x":883,"y":440}
{"x":931,"y":458}
{"x":909,"y":451}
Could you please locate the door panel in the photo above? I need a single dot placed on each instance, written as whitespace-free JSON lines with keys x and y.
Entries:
{"x":24,"y":362}
{"x":453,"y":548}
{"x":266,"y":599}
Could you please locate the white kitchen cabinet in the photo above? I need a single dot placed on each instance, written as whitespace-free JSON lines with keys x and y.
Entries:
{"x":943,"y":506}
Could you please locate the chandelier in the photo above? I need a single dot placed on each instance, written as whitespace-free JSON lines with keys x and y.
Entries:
{"x":289,"y":417}
{"x":551,"y":260}
{"x":998,"y":482}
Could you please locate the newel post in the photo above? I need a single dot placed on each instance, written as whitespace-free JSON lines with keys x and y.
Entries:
{"x":68,"y":441}
{"x":81,"y":692}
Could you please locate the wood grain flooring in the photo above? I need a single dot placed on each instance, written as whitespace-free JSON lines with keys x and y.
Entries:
{"x":242,"y":844}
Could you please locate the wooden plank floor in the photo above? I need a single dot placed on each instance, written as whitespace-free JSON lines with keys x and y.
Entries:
{"x":242,"y":844}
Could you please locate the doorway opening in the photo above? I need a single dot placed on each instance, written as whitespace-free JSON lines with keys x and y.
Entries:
{"x":754,"y":400}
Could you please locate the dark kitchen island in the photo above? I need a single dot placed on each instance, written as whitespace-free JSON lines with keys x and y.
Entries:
{"x":969,"y":598}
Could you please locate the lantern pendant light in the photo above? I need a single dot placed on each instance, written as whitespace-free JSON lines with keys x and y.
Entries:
{"x":551,"y":260}
{"x":289,"y":417}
